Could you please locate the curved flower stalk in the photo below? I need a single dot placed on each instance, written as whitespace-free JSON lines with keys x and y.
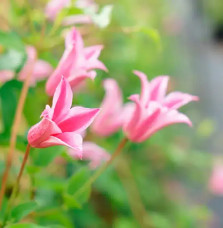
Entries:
{"x":61,"y":124}
{"x":216,"y":180}
{"x":113,"y":112}
{"x":77,"y":63}
{"x":40,"y":69}
{"x":92,"y":152}
{"x":154,"y":110}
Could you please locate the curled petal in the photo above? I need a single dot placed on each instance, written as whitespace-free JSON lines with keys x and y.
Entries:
{"x":176,"y":100}
{"x":41,"y":132}
{"x":69,"y":139}
{"x":63,"y":68}
{"x":158,"y":88}
{"x":78,"y":119}
{"x":62,"y":100}
{"x":145,"y":88}
{"x":165,"y":119}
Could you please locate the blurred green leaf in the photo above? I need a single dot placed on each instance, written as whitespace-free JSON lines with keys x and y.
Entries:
{"x":12,"y":60}
{"x":76,"y":182}
{"x":23,"y":210}
{"x":11,"y":40}
{"x":70,"y":201}
{"x":8,"y":96}
{"x":44,"y":156}
{"x":24,"y":225}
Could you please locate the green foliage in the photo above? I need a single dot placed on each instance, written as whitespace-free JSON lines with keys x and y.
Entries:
{"x":22,"y":210}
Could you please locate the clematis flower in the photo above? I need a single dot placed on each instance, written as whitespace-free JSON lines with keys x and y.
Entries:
{"x":153,"y":109}
{"x":113,"y":112}
{"x":92,"y":152}
{"x":40,"y":69}
{"x":54,"y":7}
{"x":61,"y":124}
{"x":77,"y":62}
{"x":6,"y":75}
{"x":216,"y":180}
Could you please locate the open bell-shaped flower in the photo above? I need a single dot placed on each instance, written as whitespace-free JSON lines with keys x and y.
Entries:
{"x":77,"y":63}
{"x":153,"y":109}
{"x":61,"y":124}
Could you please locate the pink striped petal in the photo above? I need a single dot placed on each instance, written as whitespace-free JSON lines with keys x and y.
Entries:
{"x":158,"y":88}
{"x":165,"y":119}
{"x":145,"y":87}
{"x":41,"y":132}
{"x":176,"y":100}
{"x":69,"y":139}
{"x":78,"y":119}
{"x":62,"y":100}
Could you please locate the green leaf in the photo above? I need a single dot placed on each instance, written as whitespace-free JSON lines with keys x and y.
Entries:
{"x":8,"y":95}
{"x":15,"y":55}
{"x":44,"y":156}
{"x":77,"y":180}
{"x":24,"y":225}
{"x":154,"y":35}
{"x":23,"y":210}
{"x":12,"y":60}
{"x":74,"y":184}
{"x":70,"y":201}
{"x":11,"y":40}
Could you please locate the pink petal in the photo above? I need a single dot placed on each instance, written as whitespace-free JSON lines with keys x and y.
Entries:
{"x":29,"y":65}
{"x":158,"y":87}
{"x":54,"y":7}
{"x":6,"y":75}
{"x":42,"y":69}
{"x":41,"y":132}
{"x":145,"y":87}
{"x":69,"y":139}
{"x":216,"y":180}
{"x":63,"y":68}
{"x":166,"y":118}
{"x":109,"y":119}
{"x":78,"y":119}
{"x":136,"y":116}
{"x":73,"y":37}
{"x":62,"y":100}
{"x":92,"y":152}
{"x":176,"y":100}
{"x":77,"y":19}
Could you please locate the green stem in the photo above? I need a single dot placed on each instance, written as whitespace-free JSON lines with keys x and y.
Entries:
{"x":94,"y":177}
{"x":16,"y":186}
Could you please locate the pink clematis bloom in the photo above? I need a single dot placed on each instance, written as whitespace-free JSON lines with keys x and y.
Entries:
{"x":39,"y":69}
{"x":154,"y":110}
{"x":92,"y":152}
{"x":216,"y":180}
{"x":6,"y":75}
{"x":77,"y":62}
{"x":113,"y":113}
{"x":61,"y":124}
{"x":54,"y":7}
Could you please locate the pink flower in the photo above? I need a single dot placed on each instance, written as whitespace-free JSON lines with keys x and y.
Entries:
{"x":216,"y":179}
{"x":154,"y":110}
{"x":54,"y":7}
{"x":77,"y":62}
{"x":92,"y":152}
{"x":113,"y":113}
{"x":38,"y":68}
{"x":61,"y":124}
{"x":6,"y":75}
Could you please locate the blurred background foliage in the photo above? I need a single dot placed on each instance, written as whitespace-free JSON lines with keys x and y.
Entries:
{"x":163,"y":181}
